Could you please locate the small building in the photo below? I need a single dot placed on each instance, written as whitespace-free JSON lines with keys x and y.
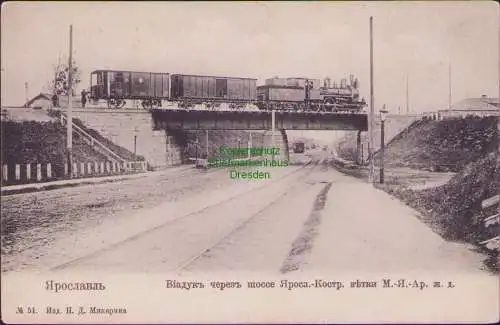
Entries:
{"x":40,"y":101}
{"x":482,"y":106}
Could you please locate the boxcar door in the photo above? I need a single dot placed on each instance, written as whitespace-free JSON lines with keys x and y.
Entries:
{"x":117,"y":88}
{"x":157,"y":84}
{"x":166,"y":86}
{"x":221,"y":88}
{"x":97,"y":85}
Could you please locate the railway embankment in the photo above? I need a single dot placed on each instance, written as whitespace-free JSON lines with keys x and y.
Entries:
{"x":34,"y":151}
{"x":445,"y":170}
{"x":395,"y":126}
{"x":33,"y":142}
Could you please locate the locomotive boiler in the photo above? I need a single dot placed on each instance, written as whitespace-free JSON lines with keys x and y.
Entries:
{"x":307,"y":94}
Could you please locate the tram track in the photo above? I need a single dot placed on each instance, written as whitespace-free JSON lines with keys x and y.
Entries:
{"x":183,"y":217}
{"x":201,"y":254}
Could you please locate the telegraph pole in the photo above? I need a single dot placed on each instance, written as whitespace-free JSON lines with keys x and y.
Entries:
{"x":206,"y":143}
{"x":135,"y":149}
{"x":407,"y":96}
{"x":371,"y":112}
{"x":69,"y":116}
{"x":449,"y":87}
{"x":249,"y":145}
{"x":273,"y":121}
{"x":382,"y":144}
{"x":26,"y":92}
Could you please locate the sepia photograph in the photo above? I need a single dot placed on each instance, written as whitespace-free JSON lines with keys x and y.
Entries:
{"x":293,"y":162}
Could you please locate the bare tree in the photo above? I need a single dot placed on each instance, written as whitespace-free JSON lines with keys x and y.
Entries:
{"x":59,"y":85}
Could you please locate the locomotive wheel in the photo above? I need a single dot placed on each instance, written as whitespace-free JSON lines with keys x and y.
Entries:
{"x":120,"y":103}
{"x":111,"y":103}
{"x":146,"y":104}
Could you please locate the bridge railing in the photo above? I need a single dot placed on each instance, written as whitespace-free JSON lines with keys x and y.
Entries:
{"x":491,"y":221}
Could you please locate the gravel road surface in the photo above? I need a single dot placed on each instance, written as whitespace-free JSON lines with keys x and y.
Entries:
{"x":45,"y":228}
{"x":307,"y":217}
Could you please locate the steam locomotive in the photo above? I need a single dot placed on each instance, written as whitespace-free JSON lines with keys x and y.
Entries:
{"x":151,"y":89}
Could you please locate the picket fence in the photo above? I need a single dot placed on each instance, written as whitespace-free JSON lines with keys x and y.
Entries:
{"x":12,"y":174}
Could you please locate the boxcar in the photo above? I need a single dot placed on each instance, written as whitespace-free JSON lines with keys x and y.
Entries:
{"x":281,"y":93}
{"x":110,"y":84}
{"x":213,"y":88}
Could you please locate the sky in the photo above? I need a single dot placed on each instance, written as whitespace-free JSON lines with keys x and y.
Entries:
{"x":261,"y":40}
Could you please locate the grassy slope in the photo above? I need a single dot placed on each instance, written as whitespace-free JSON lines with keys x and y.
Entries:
{"x":42,"y":142}
{"x":466,"y":146}
{"x":444,"y":145}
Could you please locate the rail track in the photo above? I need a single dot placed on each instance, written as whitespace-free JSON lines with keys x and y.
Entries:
{"x":194,"y":258}
{"x":296,"y":173}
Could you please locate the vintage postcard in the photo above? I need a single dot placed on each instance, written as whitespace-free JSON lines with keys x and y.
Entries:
{"x":250,"y":162}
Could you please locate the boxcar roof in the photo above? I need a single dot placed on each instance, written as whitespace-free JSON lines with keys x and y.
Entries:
{"x":195,"y":75}
{"x":278,"y":86}
{"x":110,"y":70}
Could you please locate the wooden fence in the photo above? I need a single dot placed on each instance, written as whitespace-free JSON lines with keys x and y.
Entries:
{"x":493,"y":220}
{"x":13,"y":174}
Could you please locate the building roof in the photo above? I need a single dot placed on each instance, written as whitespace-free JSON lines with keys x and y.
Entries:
{"x":478,"y":104}
{"x":40,"y":95}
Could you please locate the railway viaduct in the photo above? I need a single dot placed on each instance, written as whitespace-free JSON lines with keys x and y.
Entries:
{"x":171,"y":120}
{"x":156,"y":131}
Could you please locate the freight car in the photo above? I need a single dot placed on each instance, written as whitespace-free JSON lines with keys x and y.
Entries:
{"x":278,"y":93}
{"x":210,"y":89}
{"x":117,"y":86}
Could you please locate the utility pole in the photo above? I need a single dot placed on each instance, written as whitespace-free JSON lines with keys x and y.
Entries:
{"x":3,"y":85}
{"x":26,"y":92}
{"x":196,"y":152}
{"x":407,"y":96}
{"x":135,"y":149}
{"x":249,"y":145}
{"x":273,"y":121}
{"x":382,"y":144}
{"x":449,"y":87}
{"x":206,"y":143}
{"x":371,"y":112}
{"x":69,"y":116}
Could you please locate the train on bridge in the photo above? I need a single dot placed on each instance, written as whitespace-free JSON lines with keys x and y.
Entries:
{"x":152,"y":89}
